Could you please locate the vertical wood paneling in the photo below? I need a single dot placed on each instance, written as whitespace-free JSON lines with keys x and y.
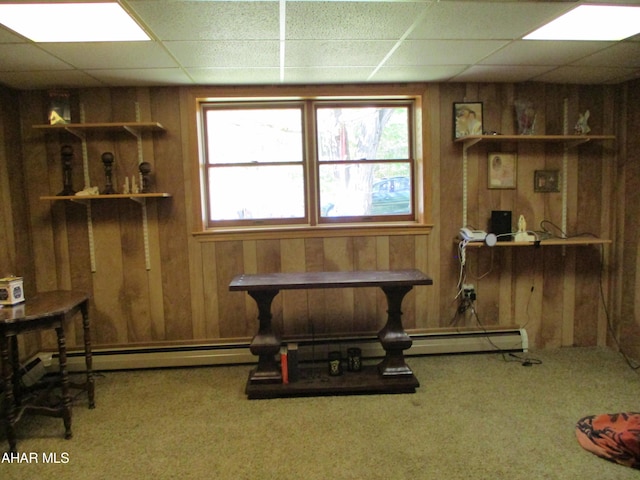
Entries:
{"x":173,"y":234}
{"x":212,"y":311}
{"x":365,"y":314}
{"x":553,"y":293}
{"x":231,"y":305}
{"x":339,"y":309}
{"x":294,"y":302}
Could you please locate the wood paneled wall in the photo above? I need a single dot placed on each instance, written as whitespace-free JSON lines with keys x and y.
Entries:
{"x":627,"y":195}
{"x":183,"y":298}
{"x":15,"y":241}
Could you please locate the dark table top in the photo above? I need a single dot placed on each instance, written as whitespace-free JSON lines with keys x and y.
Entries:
{"x":42,"y":305}
{"x":307,"y":280}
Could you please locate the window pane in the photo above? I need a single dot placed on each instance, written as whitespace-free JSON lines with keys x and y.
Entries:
{"x":260,"y":192}
{"x":365,"y":189}
{"x":359,"y":133}
{"x":254,"y":135}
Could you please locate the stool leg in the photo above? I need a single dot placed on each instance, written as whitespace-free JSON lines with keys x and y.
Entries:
{"x":66,"y":396}
{"x":9,"y":400}
{"x":84,"y":308}
{"x":15,"y":363}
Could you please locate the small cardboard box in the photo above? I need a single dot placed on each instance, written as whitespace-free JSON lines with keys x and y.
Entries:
{"x":11,"y":291}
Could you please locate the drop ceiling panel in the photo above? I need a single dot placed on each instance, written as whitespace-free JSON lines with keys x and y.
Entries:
{"x":234,"y":76}
{"x":543,"y":52}
{"x":624,"y":53}
{"x":443,"y":52}
{"x":203,"y":20}
{"x":309,"y":53}
{"x":7,"y":36}
{"x":239,"y":41}
{"x":226,"y":53}
{"x":28,"y":57}
{"x":497,"y":73}
{"x":588,"y":75}
{"x":431,"y":73}
{"x":111,"y":55}
{"x":485,"y":20}
{"x":332,"y":75}
{"x":48,"y":79}
{"x":141,"y":77}
{"x":350,"y":20}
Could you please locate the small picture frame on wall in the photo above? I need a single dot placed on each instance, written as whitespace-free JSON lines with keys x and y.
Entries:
{"x":546,"y":181}
{"x":502,"y":170}
{"x":467,"y":119}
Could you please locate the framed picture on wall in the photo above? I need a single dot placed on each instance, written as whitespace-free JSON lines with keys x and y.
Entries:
{"x":467,"y":119}
{"x":546,"y":181}
{"x":502,"y":170}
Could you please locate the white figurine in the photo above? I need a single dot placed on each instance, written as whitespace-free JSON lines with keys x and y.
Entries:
{"x":522,"y":235}
{"x":581,"y":125}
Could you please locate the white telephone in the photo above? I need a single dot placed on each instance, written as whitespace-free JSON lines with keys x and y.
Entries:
{"x":472,"y":235}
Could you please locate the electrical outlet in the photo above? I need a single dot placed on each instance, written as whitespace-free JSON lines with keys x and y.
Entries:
{"x":469,"y":291}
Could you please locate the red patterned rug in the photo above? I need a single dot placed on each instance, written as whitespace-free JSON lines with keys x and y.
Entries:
{"x":614,"y":437}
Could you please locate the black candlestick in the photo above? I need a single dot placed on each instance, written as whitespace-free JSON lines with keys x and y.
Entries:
{"x":66,"y":152}
{"x":107,"y":160}
{"x":145,"y":175}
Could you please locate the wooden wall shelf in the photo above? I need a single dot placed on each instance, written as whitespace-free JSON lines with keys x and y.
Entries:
{"x":127,"y":126}
{"x":564,"y":242}
{"x":568,"y":139}
{"x":81,"y":198}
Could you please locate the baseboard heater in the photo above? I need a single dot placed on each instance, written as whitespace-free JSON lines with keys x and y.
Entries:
{"x":513,"y":340}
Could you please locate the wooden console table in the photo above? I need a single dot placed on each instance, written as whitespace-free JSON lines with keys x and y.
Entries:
{"x":392,"y":375}
{"x":47,"y":310}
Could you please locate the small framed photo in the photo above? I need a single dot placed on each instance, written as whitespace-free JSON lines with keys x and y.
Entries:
{"x":546,"y":181}
{"x":467,"y":119}
{"x":502,"y":170}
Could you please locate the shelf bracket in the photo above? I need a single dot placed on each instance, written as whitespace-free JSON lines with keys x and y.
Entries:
{"x":92,"y":249}
{"x":74,"y":131}
{"x":133,"y":131}
{"x":577,"y":142}
{"x":145,"y":233}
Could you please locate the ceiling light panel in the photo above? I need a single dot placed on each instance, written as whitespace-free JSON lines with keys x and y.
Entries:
{"x":591,"y":22}
{"x":71,"y":22}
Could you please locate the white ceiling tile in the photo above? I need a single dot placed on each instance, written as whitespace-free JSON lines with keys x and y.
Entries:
{"x":425,"y":73}
{"x":443,"y":52}
{"x":623,"y":53}
{"x":485,"y":20}
{"x":332,"y":41}
{"x":350,"y":20}
{"x":315,"y":75}
{"x":308,"y":53}
{"x":7,"y":36}
{"x":215,"y":20}
{"x":112,"y":55}
{"x":26,"y":57}
{"x":500,"y":73}
{"x":48,"y":79}
{"x":142,"y":77}
{"x":234,"y":76}
{"x":543,"y":52}
{"x":587,"y":75}
{"x":226,"y":53}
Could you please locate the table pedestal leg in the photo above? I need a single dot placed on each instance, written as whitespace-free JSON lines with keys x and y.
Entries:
{"x":9,"y":399}
{"x":84,"y":308}
{"x":393,"y":338}
{"x":64,"y":374}
{"x":266,"y":344}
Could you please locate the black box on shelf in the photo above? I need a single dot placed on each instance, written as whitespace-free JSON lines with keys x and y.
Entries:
{"x":501,"y":225}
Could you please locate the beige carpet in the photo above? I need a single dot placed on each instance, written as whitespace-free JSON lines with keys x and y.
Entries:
{"x":474,"y":417}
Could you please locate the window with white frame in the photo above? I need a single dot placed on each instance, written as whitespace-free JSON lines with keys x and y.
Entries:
{"x":307,"y":162}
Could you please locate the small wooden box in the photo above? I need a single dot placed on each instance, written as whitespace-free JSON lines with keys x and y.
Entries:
{"x":11,"y":291}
